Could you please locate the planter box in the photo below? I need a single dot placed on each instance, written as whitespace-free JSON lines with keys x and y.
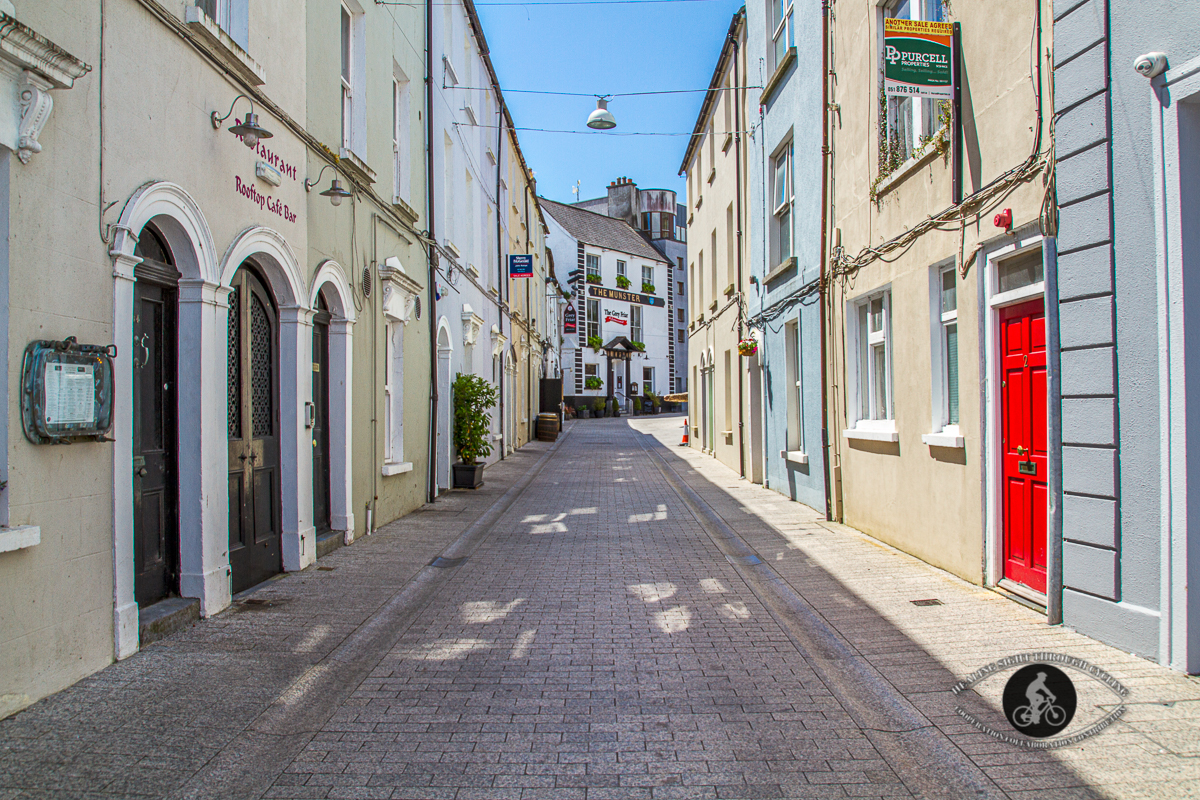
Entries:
{"x":468,"y":476}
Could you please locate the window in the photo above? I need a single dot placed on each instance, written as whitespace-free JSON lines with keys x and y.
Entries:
{"x":621,"y":268}
{"x":400,"y":137}
{"x":593,"y":265}
{"x":728,"y":390}
{"x":647,"y":380}
{"x":782,"y":34}
{"x":874,"y":380}
{"x":695,"y":286}
{"x":648,"y":274}
{"x":679,"y":316}
{"x":793,"y":367}
{"x":782,"y":196}
{"x":912,"y":119}
{"x":593,"y":318}
{"x":591,"y":369}
{"x":393,"y":394}
{"x":730,"y":248}
{"x":712,"y":252}
{"x":231,"y":16}
{"x":948,"y":318}
{"x":1023,"y":269}
{"x":347,"y":76}
{"x":681,"y":335}
{"x":679,"y":288}
{"x":635,"y":323}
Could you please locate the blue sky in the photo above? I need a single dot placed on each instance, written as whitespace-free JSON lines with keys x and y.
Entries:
{"x":605,"y":49}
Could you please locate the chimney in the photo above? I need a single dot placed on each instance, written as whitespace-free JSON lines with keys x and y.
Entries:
{"x":623,"y":200}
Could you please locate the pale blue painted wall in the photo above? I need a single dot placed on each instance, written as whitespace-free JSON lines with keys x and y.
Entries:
{"x":793,"y":111}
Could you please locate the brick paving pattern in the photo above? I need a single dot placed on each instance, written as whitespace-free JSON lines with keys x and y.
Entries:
{"x":595,"y":643}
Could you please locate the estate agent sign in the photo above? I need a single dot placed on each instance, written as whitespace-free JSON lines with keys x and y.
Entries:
{"x":917,"y":58}
{"x":520,"y":266}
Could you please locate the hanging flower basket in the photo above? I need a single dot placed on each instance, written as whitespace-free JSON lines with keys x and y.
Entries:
{"x":747,"y":347}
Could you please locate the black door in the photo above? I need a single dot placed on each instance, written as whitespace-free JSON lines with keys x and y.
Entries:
{"x":155,"y":489}
{"x":253,"y":399}
{"x":320,"y":427}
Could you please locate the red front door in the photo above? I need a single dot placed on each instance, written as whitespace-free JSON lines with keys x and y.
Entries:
{"x":1023,"y":428}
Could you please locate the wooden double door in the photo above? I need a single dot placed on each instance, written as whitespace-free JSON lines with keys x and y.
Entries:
{"x":253,"y":404}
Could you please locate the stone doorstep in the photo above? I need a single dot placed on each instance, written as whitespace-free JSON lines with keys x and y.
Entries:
{"x":329,"y":541}
{"x":166,"y":617}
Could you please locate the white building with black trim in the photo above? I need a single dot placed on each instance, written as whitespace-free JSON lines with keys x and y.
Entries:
{"x":620,"y":288}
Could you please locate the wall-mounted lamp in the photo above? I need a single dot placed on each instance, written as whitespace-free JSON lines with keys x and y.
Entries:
{"x":601,"y":119}
{"x":335,"y":192}
{"x":248,"y":129}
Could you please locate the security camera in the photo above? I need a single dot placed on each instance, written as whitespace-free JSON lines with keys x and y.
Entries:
{"x":1151,"y":64}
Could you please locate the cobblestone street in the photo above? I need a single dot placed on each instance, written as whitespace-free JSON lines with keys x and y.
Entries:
{"x":613,"y":617}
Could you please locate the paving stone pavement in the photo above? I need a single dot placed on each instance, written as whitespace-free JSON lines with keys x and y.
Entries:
{"x":595,"y":643}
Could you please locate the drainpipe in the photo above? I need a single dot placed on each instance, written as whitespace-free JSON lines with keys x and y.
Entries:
{"x":824,"y":244}
{"x":431,"y":478}
{"x":737,"y":155}
{"x":501,"y":283}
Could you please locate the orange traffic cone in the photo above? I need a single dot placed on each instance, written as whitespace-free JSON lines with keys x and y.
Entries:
{"x":685,"y":429}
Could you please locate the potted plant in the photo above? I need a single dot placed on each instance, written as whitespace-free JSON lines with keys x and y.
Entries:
{"x":585,"y":412}
{"x":595,"y":342}
{"x":615,"y":407}
{"x":637,"y":406}
{"x":473,"y":398}
{"x":747,"y":347}
{"x":647,"y":287}
{"x":655,"y":402}
{"x":592,"y":382}
{"x":593,"y":278}
{"x":622,"y":282}
{"x":598,"y":407}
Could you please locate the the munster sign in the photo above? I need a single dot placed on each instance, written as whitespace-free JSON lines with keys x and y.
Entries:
{"x":626,"y":297}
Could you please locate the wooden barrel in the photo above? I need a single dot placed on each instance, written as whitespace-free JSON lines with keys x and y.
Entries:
{"x":547,"y":427}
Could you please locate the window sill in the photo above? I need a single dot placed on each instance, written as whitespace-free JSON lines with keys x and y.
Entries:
{"x":396,"y":467}
{"x":406,"y":211}
{"x":699,"y":202}
{"x":728,"y":142}
{"x":911,"y":165}
{"x":712,"y":175}
{"x":19,"y":537}
{"x":356,"y":167}
{"x":794,"y":456}
{"x":729,"y":290}
{"x":216,"y":42}
{"x":712,"y":306}
{"x":950,"y":437}
{"x":779,"y":270}
{"x":777,"y":76}
{"x":875,"y":431}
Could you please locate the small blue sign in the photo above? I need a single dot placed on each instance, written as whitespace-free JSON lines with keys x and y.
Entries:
{"x":520,"y":266}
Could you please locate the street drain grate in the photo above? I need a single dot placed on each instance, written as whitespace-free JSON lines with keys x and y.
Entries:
{"x":325,"y":569}
{"x":447,"y":563}
{"x":261,"y":602}
{"x":933,"y":601}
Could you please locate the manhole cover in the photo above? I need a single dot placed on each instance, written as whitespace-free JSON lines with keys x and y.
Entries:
{"x":933,"y":601}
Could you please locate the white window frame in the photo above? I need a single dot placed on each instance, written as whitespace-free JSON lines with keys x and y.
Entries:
{"x":592,"y":319}
{"x":864,"y":388}
{"x":231,"y":16}
{"x":783,"y":35}
{"x":635,"y":323}
{"x":783,"y":197}
{"x":354,"y":83}
{"x":647,"y":384}
{"x":401,"y":184}
{"x":648,"y":274}
{"x":944,"y":431}
{"x":794,"y":375}
{"x":393,"y":397}
{"x":588,"y":260}
{"x":621,"y":268}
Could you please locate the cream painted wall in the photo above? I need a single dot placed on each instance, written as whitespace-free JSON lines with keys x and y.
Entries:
{"x":927,"y":501}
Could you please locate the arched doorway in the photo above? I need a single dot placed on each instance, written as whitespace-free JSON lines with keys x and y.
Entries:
{"x":253,"y":405}
{"x":155,"y":421}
